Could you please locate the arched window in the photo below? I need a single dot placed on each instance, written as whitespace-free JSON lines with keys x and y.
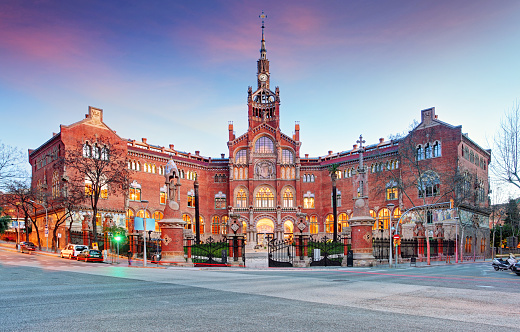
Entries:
{"x":383,"y":217}
{"x":329,"y":223}
{"x":55,"y":185}
{"x":264,"y":198}
{"x":143,"y":214}
{"x":187,"y":219}
{"x":288,"y":198}
{"x":223,"y":229}
{"x":87,"y":150}
{"x":201,"y":224}
{"x":313,"y":225}
{"x":157,"y":215}
{"x":391,"y":190}
{"x":241,"y":157}
{"x":129,"y":217}
{"x":312,"y":177}
{"x":436,"y":149}
{"x":342,"y":221}
{"x":215,"y":225}
{"x":428,"y":184}
{"x":241,"y":199}
{"x":104,"y":153}
{"x":308,"y":200}
{"x":428,"y":151}
{"x":96,"y":151}
{"x":287,"y":157}
{"x":264,"y":145}
{"x":419,"y":155}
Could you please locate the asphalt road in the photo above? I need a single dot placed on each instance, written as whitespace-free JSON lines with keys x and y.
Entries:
{"x":42,"y":293}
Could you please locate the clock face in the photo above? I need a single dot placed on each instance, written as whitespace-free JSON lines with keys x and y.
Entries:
{"x":262,"y":77}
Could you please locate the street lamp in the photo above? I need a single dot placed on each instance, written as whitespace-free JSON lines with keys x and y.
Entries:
{"x":456,"y":238}
{"x":144,"y":231}
{"x":46,"y":223}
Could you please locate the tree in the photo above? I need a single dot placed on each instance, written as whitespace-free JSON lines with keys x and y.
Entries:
{"x":333,"y":172}
{"x":20,"y":196}
{"x":4,"y":221}
{"x":98,"y":166}
{"x":506,"y":152}
{"x":512,"y":218}
{"x":11,"y":164}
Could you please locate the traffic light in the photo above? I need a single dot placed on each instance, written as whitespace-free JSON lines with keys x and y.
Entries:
{"x":117,"y":237}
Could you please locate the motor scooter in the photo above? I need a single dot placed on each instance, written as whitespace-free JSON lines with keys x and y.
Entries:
{"x":500,"y":265}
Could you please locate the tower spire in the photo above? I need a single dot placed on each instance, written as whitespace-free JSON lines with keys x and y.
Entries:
{"x":263,"y":51}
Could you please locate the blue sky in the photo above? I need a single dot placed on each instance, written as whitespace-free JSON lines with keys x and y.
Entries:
{"x":176,"y":72}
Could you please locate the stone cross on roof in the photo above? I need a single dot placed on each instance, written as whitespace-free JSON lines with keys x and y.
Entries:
{"x":360,"y":141}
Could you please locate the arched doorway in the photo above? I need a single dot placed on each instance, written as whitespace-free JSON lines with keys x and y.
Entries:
{"x":264,"y":227}
{"x":288,"y":229}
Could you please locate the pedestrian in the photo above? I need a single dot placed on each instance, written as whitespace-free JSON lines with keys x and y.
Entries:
{"x":129,"y":254}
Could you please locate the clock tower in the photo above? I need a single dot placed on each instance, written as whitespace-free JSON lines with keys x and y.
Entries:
{"x":263,"y":104}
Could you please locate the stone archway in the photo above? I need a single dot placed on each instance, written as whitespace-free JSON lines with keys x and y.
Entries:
{"x":264,"y":226}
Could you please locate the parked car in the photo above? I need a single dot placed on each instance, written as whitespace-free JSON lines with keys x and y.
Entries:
{"x":90,"y":255}
{"x":72,"y":250}
{"x":27,"y":247}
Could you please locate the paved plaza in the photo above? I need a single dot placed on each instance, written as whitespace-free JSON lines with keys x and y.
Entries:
{"x":42,"y":293}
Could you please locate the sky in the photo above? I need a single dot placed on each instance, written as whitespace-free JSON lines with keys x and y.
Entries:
{"x":176,"y":72}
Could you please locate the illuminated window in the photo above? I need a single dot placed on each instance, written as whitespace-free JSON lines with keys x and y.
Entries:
{"x":329,"y":224}
{"x":129,"y":217}
{"x":187,"y":219}
{"x":215,"y":225}
{"x":103,"y":193}
{"x":88,"y":188}
{"x":201,"y":224}
{"x":241,"y":199}
{"x":220,"y":200}
{"x":191,"y":199}
{"x":162,"y":198}
{"x":223,"y":229}
{"x":391,"y":190}
{"x":157,"y":215}
{"x":383,"y":217}
{"x":313,"y":225}
{"x":288,"y":198}
{"x":98,"y":219}
{"x":143,"y":214}
{"x":342,"y":221}
{"x":135,"y":194}
{"x":264,"y":145}
{"x":264,"y":198}
{"x":308,"y":200}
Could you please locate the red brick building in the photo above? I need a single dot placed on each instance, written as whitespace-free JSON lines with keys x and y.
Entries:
{"x":271,"y":186}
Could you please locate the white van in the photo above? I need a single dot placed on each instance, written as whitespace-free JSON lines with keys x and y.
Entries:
{"x":72,"y":250}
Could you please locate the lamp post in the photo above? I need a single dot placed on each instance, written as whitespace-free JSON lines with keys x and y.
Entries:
{"x":390,"y":209}
{"x":46,"y":223}
{"x":456,"y":238}
{"x":144,"y":231}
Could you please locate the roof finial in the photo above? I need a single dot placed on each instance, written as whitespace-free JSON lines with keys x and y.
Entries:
{"x":263,"y":51}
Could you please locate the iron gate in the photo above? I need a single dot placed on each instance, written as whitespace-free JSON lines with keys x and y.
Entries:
{"x":326,"y":252}
{"x":209,"y":252}
{"x":280,"y":252}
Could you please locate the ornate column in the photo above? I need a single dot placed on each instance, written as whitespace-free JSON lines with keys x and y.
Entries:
{"x":361,"y":222}
{"x":172,"y":225}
